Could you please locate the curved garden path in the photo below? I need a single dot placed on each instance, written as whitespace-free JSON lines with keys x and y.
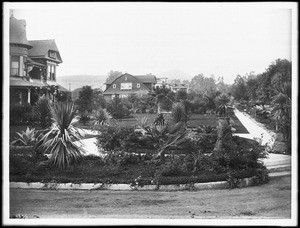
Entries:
{"x":258,"y":130}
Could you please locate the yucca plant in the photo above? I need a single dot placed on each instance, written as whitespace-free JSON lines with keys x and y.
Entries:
{"x":61,"y":137}
{"x":25,"y":138}
{"x":102,"y":117}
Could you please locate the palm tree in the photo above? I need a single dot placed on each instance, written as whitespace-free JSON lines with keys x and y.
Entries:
{"x":161,"y":94}
{"x":281,"y":110}
{"x":61,"y":136}
{"x":102,"y":117}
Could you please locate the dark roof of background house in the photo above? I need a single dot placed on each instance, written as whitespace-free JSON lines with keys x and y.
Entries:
{"x":17,"y":32}
{"x":141,"y":78}
{"x":42,"y":47}
{"x":146,"y":78}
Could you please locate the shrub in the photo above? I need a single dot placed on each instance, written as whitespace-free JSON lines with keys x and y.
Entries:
{"x":121,"y":158}
{"x":114,"y":137}
{"x":174,"y":167}
{"x":84,"y":117}
{"x":42,"y":111}
{"x":20,"y":114}
{"x":243,"y":154}
{"x":117,"y":109}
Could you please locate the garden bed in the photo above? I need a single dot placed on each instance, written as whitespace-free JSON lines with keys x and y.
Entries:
{"x":25,"y":167}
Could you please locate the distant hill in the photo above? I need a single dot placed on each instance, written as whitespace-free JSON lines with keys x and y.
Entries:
{"x":73,"y":82}
{"x":174,"y":74}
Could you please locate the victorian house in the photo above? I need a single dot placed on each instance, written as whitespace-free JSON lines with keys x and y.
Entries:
{"x":127,"y":84}
{"x":33,"y":65}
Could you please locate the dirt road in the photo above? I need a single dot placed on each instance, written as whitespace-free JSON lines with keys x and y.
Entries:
{"x":271,"y":201}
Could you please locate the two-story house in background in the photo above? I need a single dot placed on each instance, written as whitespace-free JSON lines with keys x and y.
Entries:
{"x":127,"y":84}
{"x":32,"y":65}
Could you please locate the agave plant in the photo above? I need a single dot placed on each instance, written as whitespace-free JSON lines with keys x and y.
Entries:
{"x":102,"y":117}
{"x":25,"y":138}
{"x":61,"y":137}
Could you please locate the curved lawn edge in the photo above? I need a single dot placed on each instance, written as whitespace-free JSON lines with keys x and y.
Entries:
{"x":245,"y":182}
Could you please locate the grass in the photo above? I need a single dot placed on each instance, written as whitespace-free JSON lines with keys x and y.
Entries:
{"x":194,"y":121}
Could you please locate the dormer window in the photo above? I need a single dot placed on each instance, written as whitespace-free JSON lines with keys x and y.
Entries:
{"x":125,"y":78}
{"x":114,"y":86}
{"x":52,"y":54}
{"x":138,"y":85}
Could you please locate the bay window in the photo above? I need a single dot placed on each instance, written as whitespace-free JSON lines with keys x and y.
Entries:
{"x":15,"y":66}
{"x":51,"y":72}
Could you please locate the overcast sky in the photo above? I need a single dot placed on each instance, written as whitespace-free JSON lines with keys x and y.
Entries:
{"x":218,"y":38}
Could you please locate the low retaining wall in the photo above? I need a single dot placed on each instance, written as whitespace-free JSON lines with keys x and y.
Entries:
{"x":103,"y":186}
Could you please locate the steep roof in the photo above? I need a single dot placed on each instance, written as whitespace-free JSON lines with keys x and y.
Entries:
{"x":41,"y":48}
{"x":111,"y":90}
{"x":17,"y":32}
{"x":141,"y":78}
{"x":146,"y":78}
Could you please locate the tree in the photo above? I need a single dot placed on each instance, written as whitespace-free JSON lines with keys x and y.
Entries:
{"x":202,"y":84}
{"x":239,"y":89}
{"x":113,"y":75}
{"x":253,"y":89}
{"x":278,"y":72}
{"x":281,"y":110}
{"x":221,"y":102}
{"x":164,"y":97}
{"x":85,"y":99}
{"x":221,"y":86}
{"x":117,"y":109}
{"x":98,"y":99}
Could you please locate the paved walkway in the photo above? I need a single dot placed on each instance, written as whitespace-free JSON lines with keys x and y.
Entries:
{"x":257,"y":130}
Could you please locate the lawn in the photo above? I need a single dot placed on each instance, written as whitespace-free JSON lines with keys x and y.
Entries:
{"x":194,"y":121}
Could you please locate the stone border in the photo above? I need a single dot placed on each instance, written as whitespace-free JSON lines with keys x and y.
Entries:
{"x":246,"y":182}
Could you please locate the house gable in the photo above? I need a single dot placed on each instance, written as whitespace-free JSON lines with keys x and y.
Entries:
{"x":126,"y":83}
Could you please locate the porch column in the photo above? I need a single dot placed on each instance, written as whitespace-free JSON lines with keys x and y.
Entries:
{"x":28,"y":96}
